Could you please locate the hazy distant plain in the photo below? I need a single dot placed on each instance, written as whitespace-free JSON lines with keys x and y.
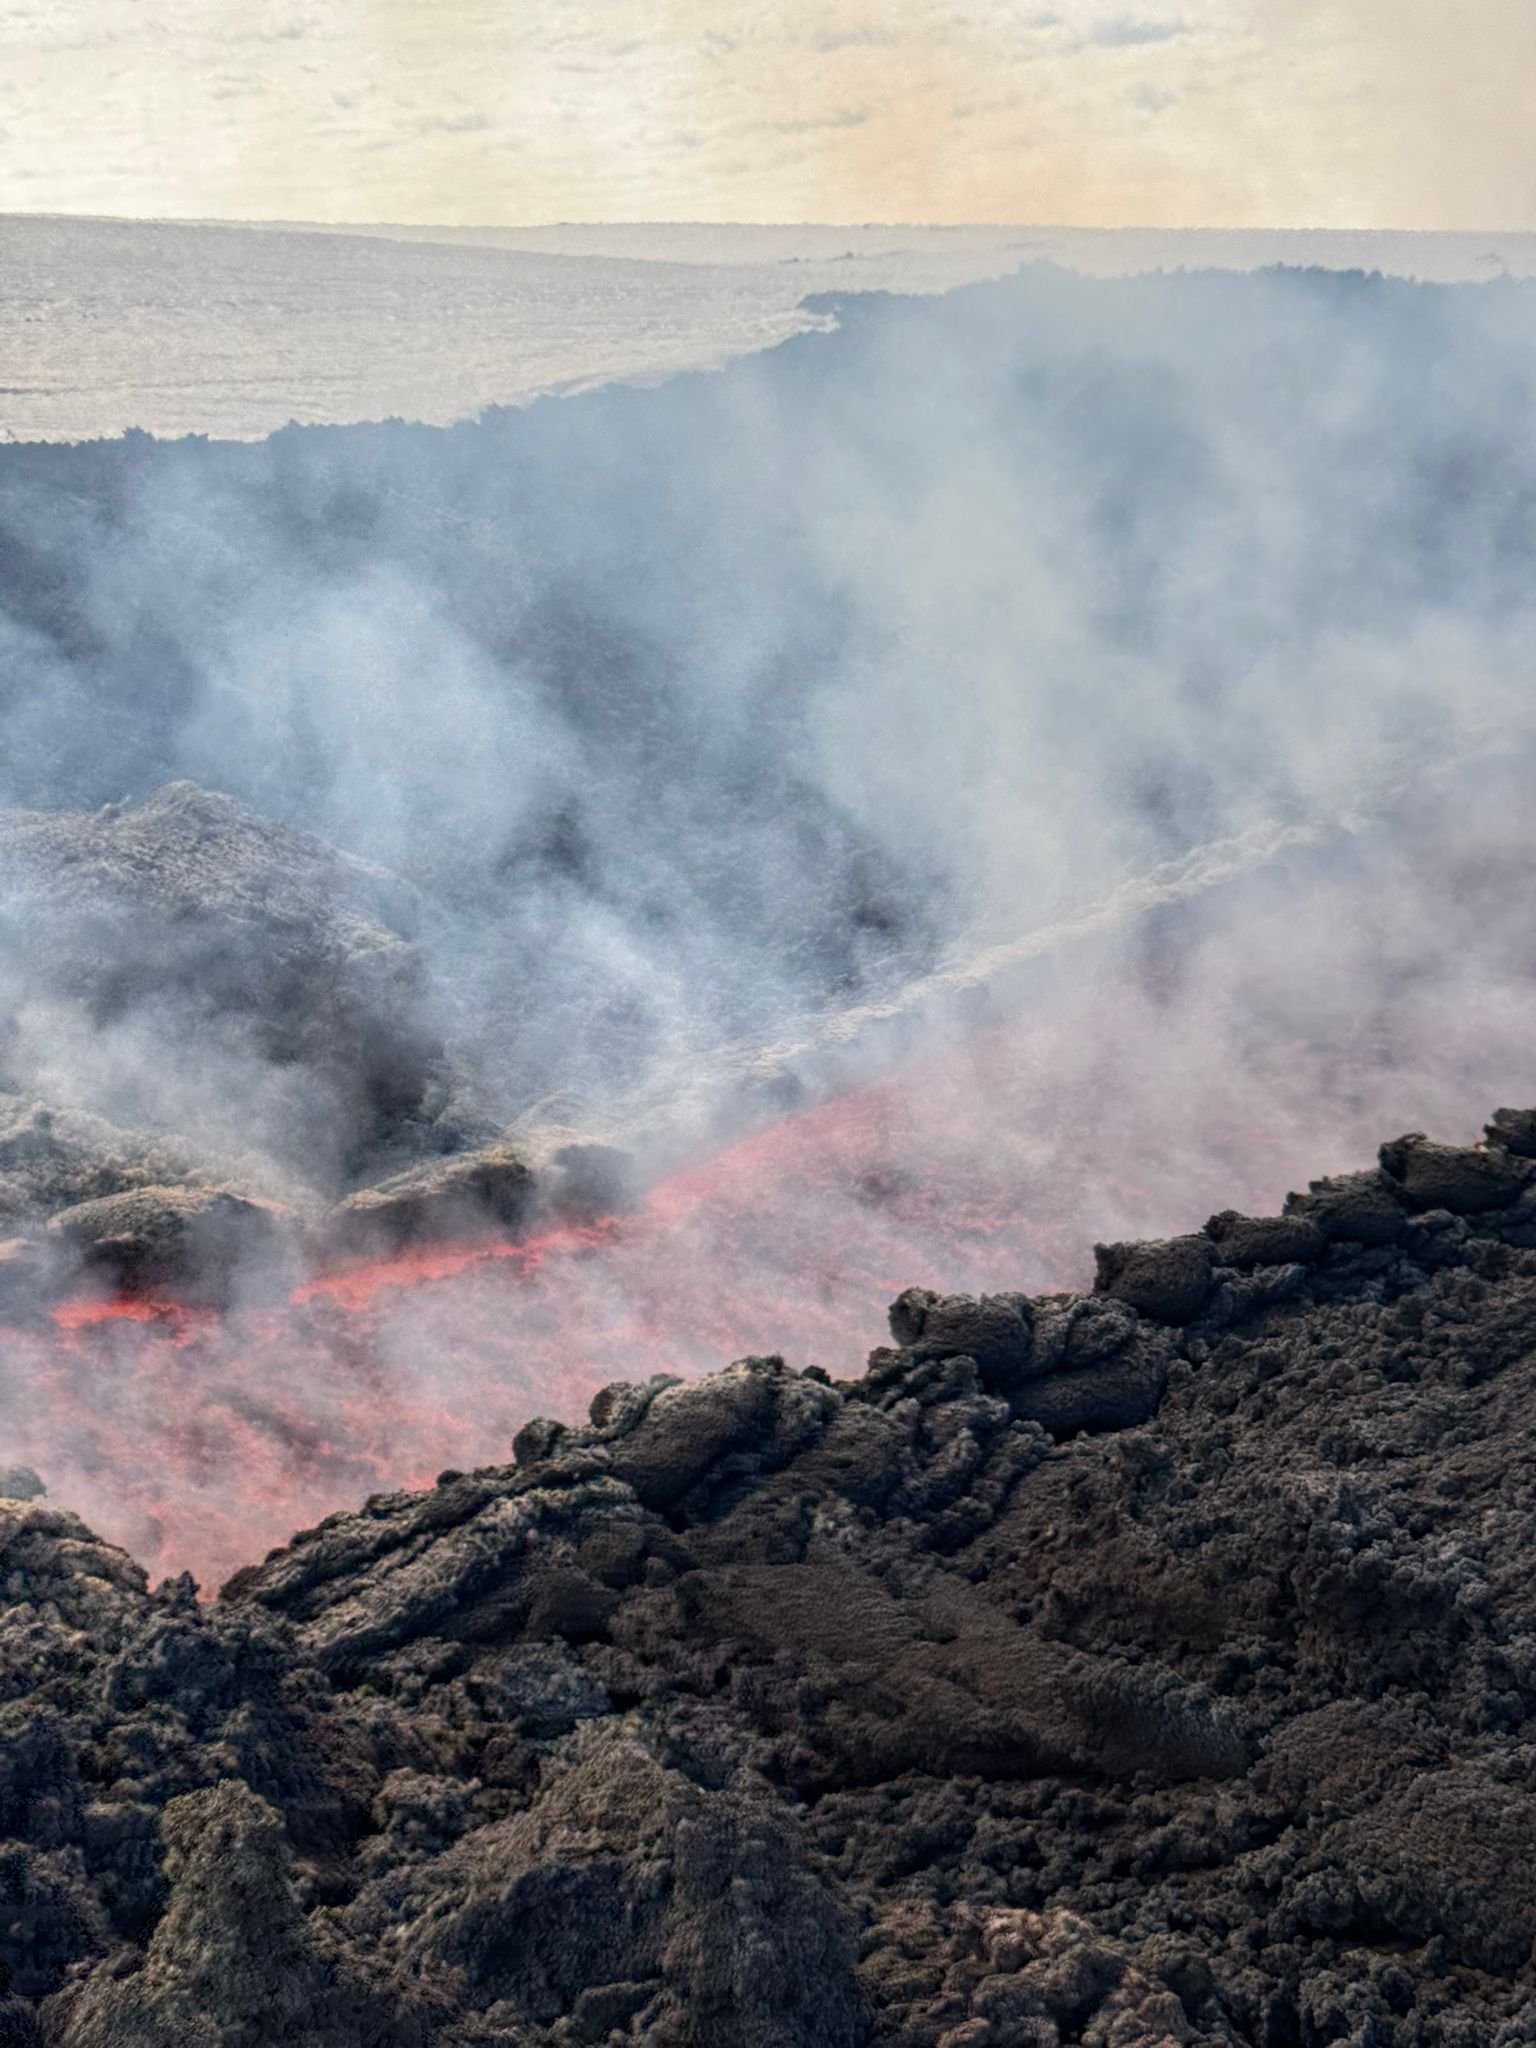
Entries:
{"x":233,"y":331}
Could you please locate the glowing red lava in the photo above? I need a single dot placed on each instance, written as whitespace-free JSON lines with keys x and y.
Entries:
{"x":199,"y":1441}
{"x":173,"y":1319}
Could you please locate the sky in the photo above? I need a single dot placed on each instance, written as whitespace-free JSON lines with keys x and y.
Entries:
{"x":1168,"y":113}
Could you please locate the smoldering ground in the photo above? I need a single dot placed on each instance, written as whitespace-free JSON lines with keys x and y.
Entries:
{"x":662,"y":729}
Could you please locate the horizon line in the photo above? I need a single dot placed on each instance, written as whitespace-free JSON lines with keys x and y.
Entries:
{"x":758,"y":226}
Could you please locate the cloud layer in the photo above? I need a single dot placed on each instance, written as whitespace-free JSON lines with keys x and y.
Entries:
{"x":1217,"y":113}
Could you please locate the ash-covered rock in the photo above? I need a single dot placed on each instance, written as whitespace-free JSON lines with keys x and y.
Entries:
{"x":492,"y":1187}
{"x":1466,"y":1179}
{"x":93,"y":1204}
{"x":54,"y":1159}
{"x":189,"y":925}
{"x":197,"y":1242}
{"x":1154,"y":1666}
{"x":1514,"y":1131}
{"x":1168,"y":1281}
{"x":1353,"y":1208}
{"x":254,"y":1001}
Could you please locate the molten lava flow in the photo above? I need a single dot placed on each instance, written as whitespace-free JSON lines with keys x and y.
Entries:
{"x":199,"y":1441}
{"x":354,"y":1285}
{"x":173,"y":1319}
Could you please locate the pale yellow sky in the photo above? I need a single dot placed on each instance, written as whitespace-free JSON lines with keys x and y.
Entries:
{"x":1221,"y":113}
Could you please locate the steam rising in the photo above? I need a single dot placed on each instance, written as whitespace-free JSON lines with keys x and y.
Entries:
{"x":690,"y":724}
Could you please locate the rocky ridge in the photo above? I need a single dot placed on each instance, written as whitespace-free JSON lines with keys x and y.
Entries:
{"x":1147,"y":1667}
{"x":276,"y":1004}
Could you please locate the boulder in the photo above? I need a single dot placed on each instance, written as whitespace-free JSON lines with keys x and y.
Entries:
{"x":754,"y":1411}
{"x":1120,"y":1393}
{"x":1167,"y":1279}
{"x":1356,"y":1208}
{"x":494,"y":1189}
{"x":1462,"y":1178}
{"x":1514,"y":1130}
{"x":53,"y":1158}
{"x":201,"y":1243}
{"x":1248,"y":1241}
{"x":994,"y":1329}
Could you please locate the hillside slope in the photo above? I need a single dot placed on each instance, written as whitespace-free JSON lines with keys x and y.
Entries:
{"x":1146,"y":1667}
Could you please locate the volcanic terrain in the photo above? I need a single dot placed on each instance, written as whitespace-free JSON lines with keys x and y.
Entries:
{"x":308,"y":1263}
{"x":495,"y":922}
{"x":1145,"y":1666}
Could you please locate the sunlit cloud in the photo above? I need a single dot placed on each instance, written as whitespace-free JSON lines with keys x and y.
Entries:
{"x":1121,"y":32}
{"x":1210,"y":112}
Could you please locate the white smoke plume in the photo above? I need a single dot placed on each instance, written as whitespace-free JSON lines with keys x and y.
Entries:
{"x":1095,"y":715}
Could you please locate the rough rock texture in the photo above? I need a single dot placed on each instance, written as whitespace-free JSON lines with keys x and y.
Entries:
{"x":494,"y":1186}
{"x":87,"y":1200}
{"x":497,"y":1187}
{"x":1144,"y":1668}
{"x":329,"y":1120}
{"x":190,"y":901}
{"x":52,"y":1160}
{"x":195,"y":1241}
{"x":269,"y":1009}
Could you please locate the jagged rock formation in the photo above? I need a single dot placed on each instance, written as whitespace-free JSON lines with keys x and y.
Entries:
{"x":82,"y":1198}
{"x":1151,"y":1667}
{"x":190,"y":908}
{"x":185,"y":1239}
{"x":284,"y":976}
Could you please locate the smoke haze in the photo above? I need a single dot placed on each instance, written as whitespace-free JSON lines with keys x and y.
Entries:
{"x":733,"y":748}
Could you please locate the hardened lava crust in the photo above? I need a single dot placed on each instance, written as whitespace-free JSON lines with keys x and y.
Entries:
{"x":1147,"y":1667}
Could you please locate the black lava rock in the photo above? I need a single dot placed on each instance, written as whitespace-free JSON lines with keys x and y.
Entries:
{"x":1143,"y":1667}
